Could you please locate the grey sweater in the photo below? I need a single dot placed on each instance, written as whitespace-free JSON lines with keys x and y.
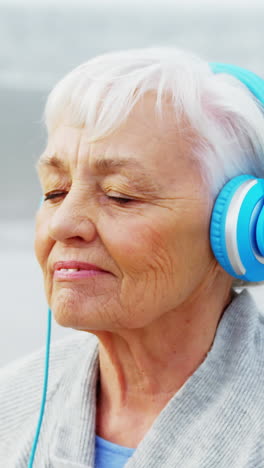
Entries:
{"x":216,"y":419}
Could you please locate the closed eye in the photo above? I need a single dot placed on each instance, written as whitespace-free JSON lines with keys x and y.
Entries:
{"x":50,"y":196}
{"x":120,"y":200}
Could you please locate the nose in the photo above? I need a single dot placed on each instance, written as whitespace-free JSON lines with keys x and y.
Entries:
{"x":72,"y":219}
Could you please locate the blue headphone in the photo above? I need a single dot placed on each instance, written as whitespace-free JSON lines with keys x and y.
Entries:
{"x":237,"y":222}
{"x":236,"y":230}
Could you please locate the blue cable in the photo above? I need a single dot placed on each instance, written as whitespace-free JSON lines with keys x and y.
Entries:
{"x":44,"y":394}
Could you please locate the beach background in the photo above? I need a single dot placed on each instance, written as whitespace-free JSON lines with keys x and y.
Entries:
{"x":39,"y":43}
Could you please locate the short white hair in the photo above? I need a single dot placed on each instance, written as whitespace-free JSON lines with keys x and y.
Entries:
{"x":227,"y":119}
{"x":225,"y":116}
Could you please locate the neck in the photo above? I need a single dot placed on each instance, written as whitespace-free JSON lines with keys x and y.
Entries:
{"x":141,"y":369}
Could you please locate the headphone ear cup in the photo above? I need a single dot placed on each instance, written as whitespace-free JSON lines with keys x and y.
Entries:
{"x":233,"y":228}
{"x":260,"y":232}
{"x":218,"y":222}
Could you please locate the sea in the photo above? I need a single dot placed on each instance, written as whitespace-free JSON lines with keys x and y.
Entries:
{"x":38,"y":46}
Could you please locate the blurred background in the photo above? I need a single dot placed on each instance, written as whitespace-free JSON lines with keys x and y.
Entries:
{"x":40,"y":42}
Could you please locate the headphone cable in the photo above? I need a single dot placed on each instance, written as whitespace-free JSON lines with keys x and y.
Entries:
{"x":44,"y":393}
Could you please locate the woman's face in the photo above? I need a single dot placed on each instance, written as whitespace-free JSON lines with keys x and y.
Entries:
{"x":152,"y":243}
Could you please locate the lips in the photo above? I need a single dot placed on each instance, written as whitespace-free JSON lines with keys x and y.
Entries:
{"x":72,"y":264}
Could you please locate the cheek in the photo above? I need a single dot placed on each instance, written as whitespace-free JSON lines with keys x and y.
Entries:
{"x":137,"y":246}
{"x":166,"y":250}
{"x":42,"y":242}
{"x":191,"y":244}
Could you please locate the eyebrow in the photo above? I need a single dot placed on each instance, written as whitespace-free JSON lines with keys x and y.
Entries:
{"x":46,"y":160}
{"x":106,"y":166}
{"x":101,"y":165}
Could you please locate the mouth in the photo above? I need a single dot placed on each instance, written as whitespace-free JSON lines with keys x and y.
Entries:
{"x":75,"y":266}
{"x":74,"y":270}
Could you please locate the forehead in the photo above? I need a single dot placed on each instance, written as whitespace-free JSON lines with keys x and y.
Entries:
{"x":143,"y":142}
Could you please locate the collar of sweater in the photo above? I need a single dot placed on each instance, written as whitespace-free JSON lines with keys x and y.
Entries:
{"x":218,"y":393}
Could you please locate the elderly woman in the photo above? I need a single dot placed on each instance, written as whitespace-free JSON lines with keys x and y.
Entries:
{"x":168,"y":369}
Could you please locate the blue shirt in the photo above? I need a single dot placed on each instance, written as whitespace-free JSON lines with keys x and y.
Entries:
{"x":109,"y":455}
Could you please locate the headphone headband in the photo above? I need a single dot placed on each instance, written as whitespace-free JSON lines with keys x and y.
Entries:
{"x":237,"y":223}
{"x":254,"y":83}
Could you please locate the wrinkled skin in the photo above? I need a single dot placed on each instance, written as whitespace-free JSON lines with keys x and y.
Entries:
{"x":164,"y":292}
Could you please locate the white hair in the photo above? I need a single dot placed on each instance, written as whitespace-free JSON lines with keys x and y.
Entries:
{"x":225,"y":116}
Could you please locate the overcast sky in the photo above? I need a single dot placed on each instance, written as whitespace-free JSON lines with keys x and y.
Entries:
{"x":194,"y":3}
